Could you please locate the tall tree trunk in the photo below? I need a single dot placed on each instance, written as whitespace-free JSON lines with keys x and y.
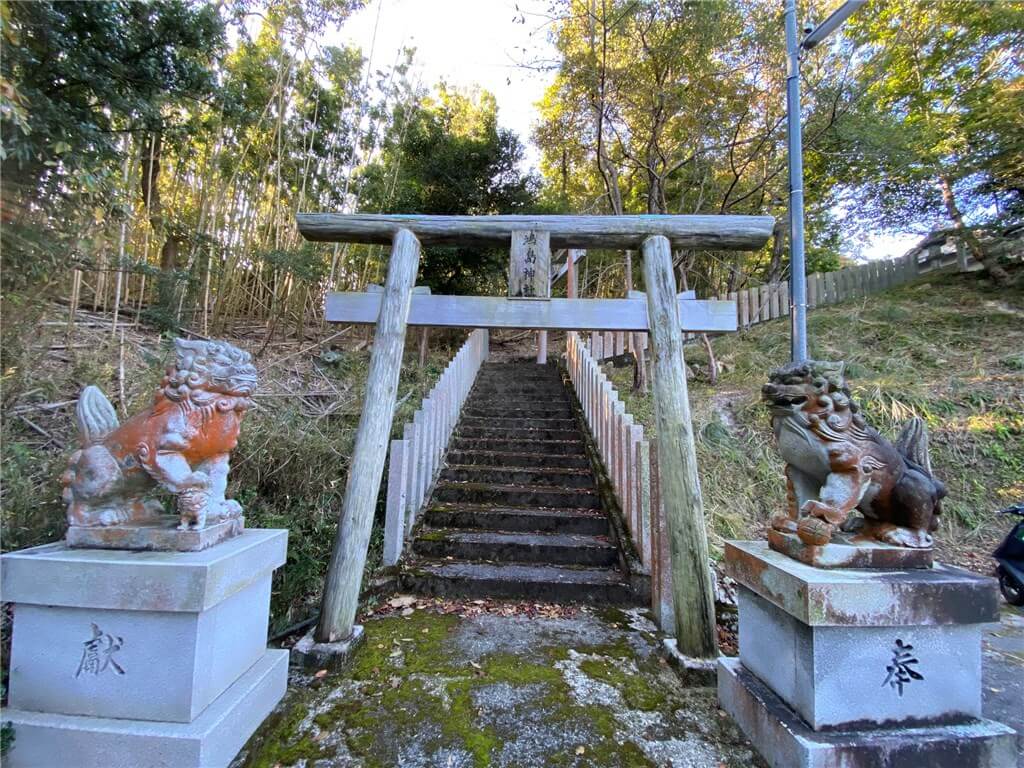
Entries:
{"x":991,"y":262}
{"x":150,"y":188}
{"x":684,"y":284}
{"x":636,"y":339}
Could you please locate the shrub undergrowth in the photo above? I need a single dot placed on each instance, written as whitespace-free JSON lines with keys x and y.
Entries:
{"x":290,"y":467}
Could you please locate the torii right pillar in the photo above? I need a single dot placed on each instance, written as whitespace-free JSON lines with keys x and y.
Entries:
{"x":695,"y":646}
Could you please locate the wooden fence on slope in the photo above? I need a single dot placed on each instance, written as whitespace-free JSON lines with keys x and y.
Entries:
{"x":760,"y":304}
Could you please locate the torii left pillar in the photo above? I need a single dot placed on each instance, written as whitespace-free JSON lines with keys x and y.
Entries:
{"x":348,"y":560}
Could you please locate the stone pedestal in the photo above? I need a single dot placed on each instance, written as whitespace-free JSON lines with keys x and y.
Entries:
{"x":310,"y":654}
{"x":860,"y":667}
{"x":141,"y":658}
{"x":160,"y":534}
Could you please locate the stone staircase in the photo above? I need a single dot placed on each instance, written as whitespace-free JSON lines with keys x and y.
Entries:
{"x":516,"y":511}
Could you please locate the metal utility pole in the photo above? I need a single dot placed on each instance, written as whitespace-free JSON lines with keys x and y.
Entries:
{"x":794,"y":140}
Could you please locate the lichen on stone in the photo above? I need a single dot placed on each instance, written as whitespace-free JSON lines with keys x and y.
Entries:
{"x":496,"y":691}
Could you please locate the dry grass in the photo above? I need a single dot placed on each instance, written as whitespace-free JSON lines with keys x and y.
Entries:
{"x":950,"y":350}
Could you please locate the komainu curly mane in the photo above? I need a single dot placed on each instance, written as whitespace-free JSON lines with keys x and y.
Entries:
{"x":836,"y":462}
{"x":203,"y":369}
{"x":181,"y":444}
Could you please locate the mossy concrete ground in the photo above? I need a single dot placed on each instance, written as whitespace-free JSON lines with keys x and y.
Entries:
{"x":584,"y":688}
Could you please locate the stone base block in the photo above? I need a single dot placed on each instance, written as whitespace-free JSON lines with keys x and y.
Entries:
{"x":211,"y":741}
{"x":850,"y":551}
{"x":138,"y":635}
{"x":334,"y":656}
{"x":698,"y":673}
{"x":785,"y":741}
{"x":844,"y":677}
{"x":160,"y":535}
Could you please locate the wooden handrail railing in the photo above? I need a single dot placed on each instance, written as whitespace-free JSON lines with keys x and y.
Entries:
{"x":631,"y":463}
{"x":415,"y":459}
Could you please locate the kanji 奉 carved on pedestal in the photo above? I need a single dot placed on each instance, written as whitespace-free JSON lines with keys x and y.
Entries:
{"x":836,"y":463}
{"x":181,"y":444}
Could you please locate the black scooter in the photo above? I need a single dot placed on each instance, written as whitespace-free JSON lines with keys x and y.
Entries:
{"x":1010,"y":556}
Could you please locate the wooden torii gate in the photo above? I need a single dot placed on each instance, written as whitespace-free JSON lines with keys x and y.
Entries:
{"x":529,"y":306}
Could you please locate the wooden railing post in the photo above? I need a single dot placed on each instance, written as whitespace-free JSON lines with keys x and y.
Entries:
{"x":696,"y":634}
{"x":394,"y":520}
{"x":570,"y":272}
{"x":409,"y":437}
{"x":348,"y":559}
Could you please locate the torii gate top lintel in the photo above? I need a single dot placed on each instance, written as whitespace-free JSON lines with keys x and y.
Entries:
{"x":718,"y":232}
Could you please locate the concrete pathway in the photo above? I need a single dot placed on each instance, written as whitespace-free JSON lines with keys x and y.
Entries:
{"x":1003,"y":663}
{"x":469,"y":684}
{"x":561,"y":687}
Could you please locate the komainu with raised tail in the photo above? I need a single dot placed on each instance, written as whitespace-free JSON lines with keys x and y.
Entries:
{"x":181,"y":444}
{"x":836,"y":463}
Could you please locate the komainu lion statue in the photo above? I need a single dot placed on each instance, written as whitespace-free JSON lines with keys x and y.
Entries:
{"x":836,"y":463}
{"x":181,"y":444}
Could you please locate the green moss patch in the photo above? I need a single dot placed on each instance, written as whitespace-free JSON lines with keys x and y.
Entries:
{"x":639,"y":691}
{"x":410,"y":695}
{"x":280,"y":743}
{"x":415,"y":643}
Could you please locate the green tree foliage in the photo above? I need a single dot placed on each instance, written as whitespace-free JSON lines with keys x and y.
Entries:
{"x":163,"y":149}
{"x":939,"y":125}
{"x":77,"y":79}
{"x":451,"y":157}
{"x":78,"y":75}
{"x":679,"y":107}
{"x":912,"y":113}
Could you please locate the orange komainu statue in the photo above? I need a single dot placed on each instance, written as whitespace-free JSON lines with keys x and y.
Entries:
{"x":182,"y":443}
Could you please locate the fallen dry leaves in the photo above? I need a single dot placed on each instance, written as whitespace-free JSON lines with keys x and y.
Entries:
{"x":406,"y":605}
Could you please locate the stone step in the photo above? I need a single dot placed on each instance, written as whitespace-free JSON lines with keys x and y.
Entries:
{"x":512,"y":518}
{"x":497,"y":422}
{"x":518,"y":375}
{"x":516,"y":495}
{"x":553,"y":447}
{"x":489,"y":433}
{"x":517,"y":392}
{"x":501,"y":410}
{"x":519,"y":378}
{"x":547,"y":476}
{"x":517,"y":369}
{"x":502,"y":404}
{"x":555,"y":583}
{"x":525,"y":375}
{"x":503,"y":546}
{"x":518,"y":459}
